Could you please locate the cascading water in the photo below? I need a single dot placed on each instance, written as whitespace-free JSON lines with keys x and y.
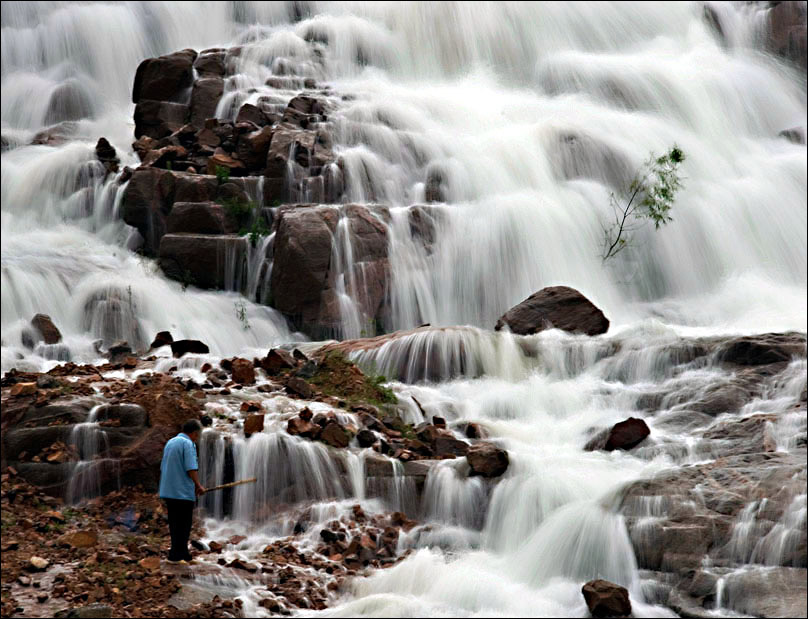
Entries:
{"x":522,"y":117}
{"x":90,"y":442}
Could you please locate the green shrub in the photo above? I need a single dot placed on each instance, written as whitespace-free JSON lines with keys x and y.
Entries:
{"x":222,"y":174}
{"x":649,"y":196}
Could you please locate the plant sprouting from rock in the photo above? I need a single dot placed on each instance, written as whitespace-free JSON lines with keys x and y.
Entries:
{"x":649,"y":197}
{"x":241,"y":313}
{"x":222,"y":174}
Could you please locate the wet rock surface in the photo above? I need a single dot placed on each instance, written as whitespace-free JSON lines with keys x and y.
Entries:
{"x":733,"y":502}
{"x":606,"y":599}
{"x":558,"y":307}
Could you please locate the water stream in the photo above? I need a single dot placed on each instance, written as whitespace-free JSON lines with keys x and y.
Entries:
{"x":530,"y":114}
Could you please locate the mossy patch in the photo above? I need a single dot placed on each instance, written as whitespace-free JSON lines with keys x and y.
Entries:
{"x":338,"y":377}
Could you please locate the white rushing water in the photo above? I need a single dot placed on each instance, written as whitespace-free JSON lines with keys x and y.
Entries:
{"x":530,"y":114}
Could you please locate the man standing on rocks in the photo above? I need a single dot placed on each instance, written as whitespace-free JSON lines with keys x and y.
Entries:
{"x":179,"y":487}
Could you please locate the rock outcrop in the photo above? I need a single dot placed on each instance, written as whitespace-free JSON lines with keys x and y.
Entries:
{"x":557,"y":307}
{"x":786,"y":31}
{"x":487,"y":460}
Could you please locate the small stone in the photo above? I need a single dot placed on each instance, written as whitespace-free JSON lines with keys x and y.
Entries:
{"x":300,"y":387}
{"x":38,"y":564}
{"x":151,"y":564}
{"x":79,"y":539}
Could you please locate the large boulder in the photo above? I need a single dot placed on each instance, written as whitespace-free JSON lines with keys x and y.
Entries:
{"x":302,"y":280}
{"x":44,"y":326}
{"x":606,"y":599}
{"x":243,"y":371}
{"x":253,"y":424}
{"x":69,"y":101}
{"x":623,"y":435}
{"x":276,"y":360}
{"x":556,"y":307}
{"x":302,"y":259}
{"x":251,"y":113}
{"x":181,"y":347}
{"x":166,"y":78}
{"x":202,"y":260}
{"x":487,"y":460}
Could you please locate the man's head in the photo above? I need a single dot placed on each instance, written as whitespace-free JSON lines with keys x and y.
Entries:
{"x":193,"y":429}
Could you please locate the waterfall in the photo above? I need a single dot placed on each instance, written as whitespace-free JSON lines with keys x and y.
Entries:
{"x":485,"y":140}
{"x":91,"y":444}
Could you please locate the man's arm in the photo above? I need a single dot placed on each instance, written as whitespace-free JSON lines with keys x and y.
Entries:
{"x":194,"y":475}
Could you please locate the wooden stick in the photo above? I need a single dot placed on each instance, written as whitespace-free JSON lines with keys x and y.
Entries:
{"x":231,"y":484}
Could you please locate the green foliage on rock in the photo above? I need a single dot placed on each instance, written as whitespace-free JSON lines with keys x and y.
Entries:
{"x":337,"y":376}
{"x":222,"y":174}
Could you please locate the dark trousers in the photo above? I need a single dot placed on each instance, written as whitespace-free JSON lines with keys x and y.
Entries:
{"x":180,"y":518}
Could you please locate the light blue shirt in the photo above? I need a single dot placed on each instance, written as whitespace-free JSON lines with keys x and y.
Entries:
{"x":179,"y":457}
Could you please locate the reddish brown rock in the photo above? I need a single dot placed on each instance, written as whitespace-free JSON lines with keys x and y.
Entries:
{"x":606,"y":599}
{"x":163,"y":157}
{"x":366,"y":438}
{"x":475,"y":430}
{"x":159,"y":119}
{"x":201,"y":260}
{"x":44,"y":325}
{"x":21,"y":389}
{"x":250,"y":113}
{"x":252,"y":148}
{"x":300,"y":427}
{"x":243,"y":372}
{"x":150,"y":564}
{"x":253,"y":424}
{"x":164,"y":78}
{"x":487,"y":460}
{"x":204,"y":98}
{"x":624,"y":435}
{"x":300,"y":387}
{"x":210,"y":63}
{"x":335,"y":435}
{"x":557,"y":307}
{"x":300,"y":282}
{"x":276,"y":360}
{"x":449,"y":446}
{"x":223,"y":160}
{"x":79,"y":539}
